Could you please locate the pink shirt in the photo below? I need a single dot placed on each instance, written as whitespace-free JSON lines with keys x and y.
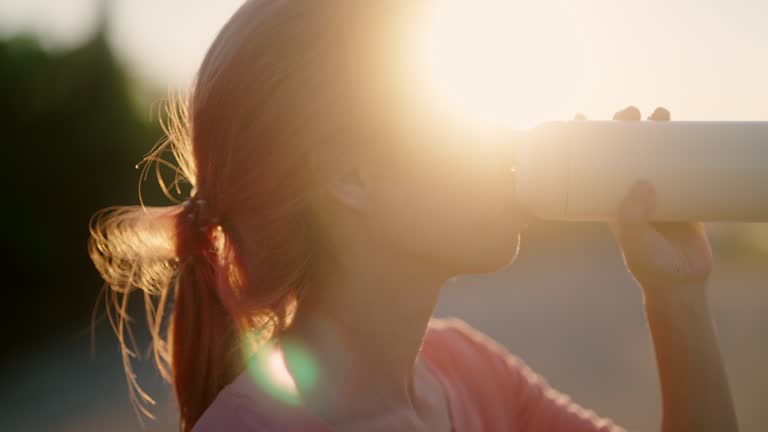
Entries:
{"x":488,"y":389}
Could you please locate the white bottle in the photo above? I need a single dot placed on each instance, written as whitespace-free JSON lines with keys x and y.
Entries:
{"x":705,"y":171}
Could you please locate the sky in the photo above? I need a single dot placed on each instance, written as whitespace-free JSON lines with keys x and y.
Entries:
{"x":703,"y":59}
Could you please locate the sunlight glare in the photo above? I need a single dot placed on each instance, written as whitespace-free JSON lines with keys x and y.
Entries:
{"x":494,"y":62}
{"x":279,"y":371}
{"x":268,"y":367}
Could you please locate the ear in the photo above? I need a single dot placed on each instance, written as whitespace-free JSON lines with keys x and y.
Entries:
{"x":339,"y":177}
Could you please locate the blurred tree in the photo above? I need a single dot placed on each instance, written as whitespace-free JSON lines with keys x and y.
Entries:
{"x":72,"y":135}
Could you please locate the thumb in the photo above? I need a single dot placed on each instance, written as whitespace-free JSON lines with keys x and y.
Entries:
{"x":633,"y":220}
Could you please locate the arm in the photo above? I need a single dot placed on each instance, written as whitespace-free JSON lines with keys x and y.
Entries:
{"x":672,"y":262}
{"x":694,"y":387}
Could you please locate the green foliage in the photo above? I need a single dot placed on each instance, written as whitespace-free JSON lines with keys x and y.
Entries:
{"x":72,"y":136}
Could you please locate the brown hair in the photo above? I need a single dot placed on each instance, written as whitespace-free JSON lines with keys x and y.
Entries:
{"x":275,"y":81}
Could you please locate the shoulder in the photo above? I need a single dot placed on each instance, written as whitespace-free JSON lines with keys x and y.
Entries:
{"x":473,"y":359}
{"x":480,"y":365}
{"x":454,"y":339}
{"x":498,"y":381}
{"x":231,"y":412}
{"x":487,"y":383}
{"x":457,"y":329}
{"x":244,"y":405}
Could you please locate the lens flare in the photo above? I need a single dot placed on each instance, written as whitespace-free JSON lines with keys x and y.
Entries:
{"x":279,"y":371}
{"x":269,"y":369}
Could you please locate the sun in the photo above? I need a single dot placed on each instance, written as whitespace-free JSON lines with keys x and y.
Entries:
{"x":490,"y":62}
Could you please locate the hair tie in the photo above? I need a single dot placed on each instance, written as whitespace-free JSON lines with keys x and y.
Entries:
{"x":198,"y":214}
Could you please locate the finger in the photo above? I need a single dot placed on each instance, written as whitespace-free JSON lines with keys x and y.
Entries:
{"x":693,"y":234}
{"x":680,"y":229}
{"x":691,"y":238}
{"x":675,"y":227}
{"x":639,"y":203}
{"x":680,"y":234}
{"x":661,"y":114}
{"x":635,"y":211}
{"x":630,"y":113}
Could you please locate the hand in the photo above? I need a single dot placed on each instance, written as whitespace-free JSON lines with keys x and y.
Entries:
{"x":671,"y":261}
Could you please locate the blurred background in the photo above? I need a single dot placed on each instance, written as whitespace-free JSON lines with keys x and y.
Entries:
{"x":81,"y":82}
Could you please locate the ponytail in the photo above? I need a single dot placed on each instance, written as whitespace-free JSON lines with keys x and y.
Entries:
{"x":151,"y":249}
{"x":177,"y":253}
{"x":206,"y":352}
{"x":193,"y":265}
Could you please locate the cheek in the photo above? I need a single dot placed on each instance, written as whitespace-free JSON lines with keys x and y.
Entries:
{"x":464,"y":220}
{"x":476,"y":232}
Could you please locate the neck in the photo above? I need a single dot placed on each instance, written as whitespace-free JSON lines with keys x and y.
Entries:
{"x":364,"y":326}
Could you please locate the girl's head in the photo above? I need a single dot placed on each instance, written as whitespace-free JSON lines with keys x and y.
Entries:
{"x":304,"y":144}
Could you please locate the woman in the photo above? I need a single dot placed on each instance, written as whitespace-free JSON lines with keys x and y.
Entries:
{"x":328,"y":209}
